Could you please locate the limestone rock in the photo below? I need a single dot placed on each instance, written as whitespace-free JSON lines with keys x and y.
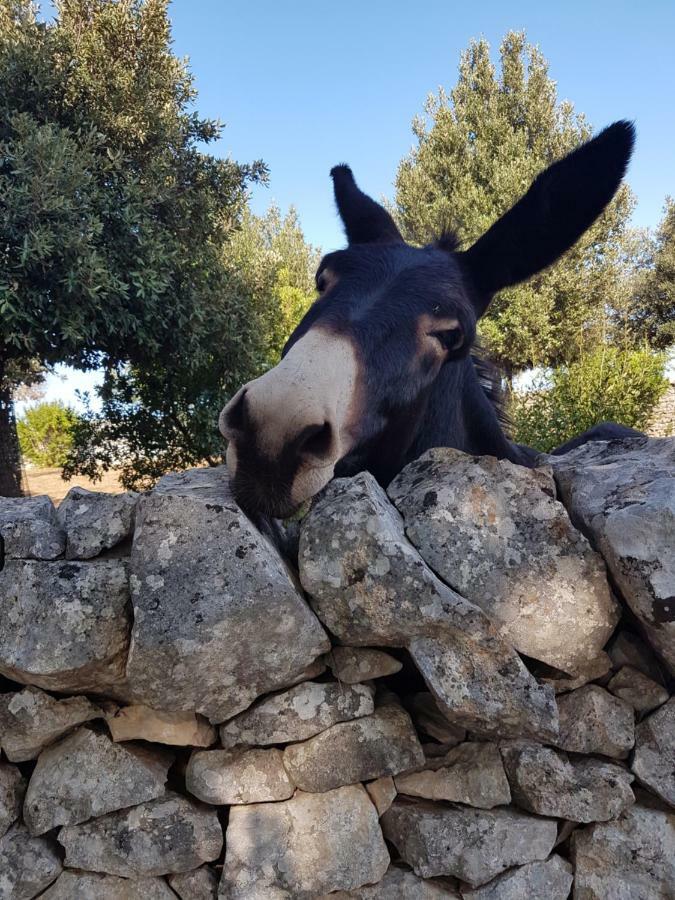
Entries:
{"x":301,"y":848}
{"x":95,"y":521}
{"x":171,"y":834}
{"x":27,"y":864}
{"x":31,"y":720}
{"x":547,"y":880}
{"x":351,"y":665}
{"x":12,"y":790}
{"x":85,"y":775}
{"x":140,"y":723}
{"x":399,"y":884}
{"x":632,"y":857}
{"x":371,"y":587}
{"x":654,"y":758}
{"x":493,"y":531}
{"x":628,"y":649}
{"x":546,"y":782}
{"x":238,"y":776}
{"x":472,"y":844}
{"x":30,"y":529}
{"x":382,"y":791}
{"x":64,"y":626}
{"x":593,"y":721}
{"x":298,"y":714}
{"x":429,"y":719}
{"x":622,"y":494}
{"x":94,"y":886}
{"x":199,"y":884}
{"x":383,"y":743}
{"x":218,"y":620}
{"x":471,"y":773}
{"x":638,"y":690}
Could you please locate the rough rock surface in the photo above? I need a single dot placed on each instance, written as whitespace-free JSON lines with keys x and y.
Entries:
{"x":202,"y":573}
{"x":593,"y":721}
{"x":94,"y":521}
{"x":298,"y":714}
{"x":628,"y":649}
{"x":29,"y":528}
{"x":654,"y":758}
{"x":352,"y":665}
{"x":547,"y":880}
{"x":12,"y":790}
{"x":472,"y":844}
{"x":494,"y":532}
{"x":140,"y":723}
{"x":383,"y":743}
{"x":429,"y":719}
{"x":85,"y":775}
{"x":171,"y":834}
{"x":382,"y":791}
{"x":634,"y":687}
{"x":399,"y":884}
{"x":238,"y":776}
{"x":94,"y":886}
{"x":632,"y":857}
{"x":622,"y":494}
{"x":471,"y":773}
{"x":301,"y":848}
{"x":30,"y":720}
{"x":547,"y":782}
{"x":199,"y":884}
{"x":371,"y":587}
{"x":27,"y":864}
{"x":64,"y":626}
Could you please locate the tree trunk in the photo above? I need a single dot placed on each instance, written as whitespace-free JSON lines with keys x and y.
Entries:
{"x":10,"y":455}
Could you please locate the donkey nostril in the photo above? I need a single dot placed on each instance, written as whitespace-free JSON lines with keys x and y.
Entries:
{"x":233,"y":417}
{"x":316,"y":441}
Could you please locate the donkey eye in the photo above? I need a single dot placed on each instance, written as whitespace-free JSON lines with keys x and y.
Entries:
{"x":451,"y":339}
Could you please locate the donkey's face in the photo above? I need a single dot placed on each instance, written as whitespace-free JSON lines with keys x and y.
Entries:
{"x":352,"y":387}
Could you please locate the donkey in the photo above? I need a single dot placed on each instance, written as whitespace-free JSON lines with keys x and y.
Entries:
{"x":380,"y":368}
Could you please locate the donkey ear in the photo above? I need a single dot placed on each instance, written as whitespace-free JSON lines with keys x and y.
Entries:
{"x":365,"y":221}
{"x":561,"y":204}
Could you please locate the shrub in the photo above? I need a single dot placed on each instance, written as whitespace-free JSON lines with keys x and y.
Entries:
{"x":46,"y":433}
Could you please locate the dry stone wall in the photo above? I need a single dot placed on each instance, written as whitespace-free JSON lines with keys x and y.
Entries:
{"x":461,"y":688}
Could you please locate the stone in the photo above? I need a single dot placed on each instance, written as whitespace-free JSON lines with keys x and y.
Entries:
{"x":352,"y":665}
{"x":547,"y":782}
{"x":304,"y":847}
{"x":383,"y":743}
{"x":178,"y":729}
{"x":399,"y":884}
{"x":472,"y":844}
{"x":229,"y":777}
{"x":94,"y":886}
{"x":547,"y":880}
{"x":27,"y":864}
{"x":654,"y":757}
{"x":218,"y":619}
{"x":594,"y":670}
{"x":632,"y":857}
{"x":622,"y":494}
{"x":199,"y":884}
{"x":12,"y":790}
{"x":64,"y":626}
{"x":170,"y":834}
{"x":495,"y":533}
{"x":95,"y":521}
{"x":85,"y":775}
{"x":298,"y":714}
{"x":593,"y":721}
{"x":471,"y":773}
{"x":371,"y":587}
{"x":428,"y":718}
{"x":29,"y":528}
{"x":638,"y":690}
{"x":30,"y":720}
{"x":628,"y":649}
{"x":382,"y":791}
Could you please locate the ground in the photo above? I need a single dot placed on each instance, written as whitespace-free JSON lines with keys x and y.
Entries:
{"x":49,"y":481}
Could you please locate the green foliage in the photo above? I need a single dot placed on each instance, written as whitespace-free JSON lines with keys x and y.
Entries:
{"x":607,"y":384}
{"x":653,"y":306}
{"x":478,"y":150}
{"x":46,"y":433}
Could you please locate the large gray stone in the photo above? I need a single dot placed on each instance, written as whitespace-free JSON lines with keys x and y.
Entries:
{"x":493,"y":531}
{"x":641,"y":692}
{"x":472,"y":844}
{"x":86,"y":775}
{"x":31,"y":720}
{"x":352,"y":665}
{"x":140,"y":723}
{"x":547,"y":782}
{"x":27,"y":864}
{"x":399,"y":884}
{"x":171,"y":834}
{"x":30,"y":529}
{"x":632,"y":858}
{"x":238,"y":776}
{"x":64,"y":626}
{"x":383,"y":743}
{"x":12,"y":790}
{"x":199,"y":884}
{"x":218,"y":620}
{"x":371,"y":587}
{"x":429,"y":719}
{"x":95,"y":521}
{"x":304,"y":847}
{"x":547,"y":880}
{"x":622,"y":494}
{"x":94,"y":886}
{"x":298,"y":714}
{"x":654,"y":758}
{"x":593,"y":721}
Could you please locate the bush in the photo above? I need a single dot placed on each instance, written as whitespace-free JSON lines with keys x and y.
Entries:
{"x":46,"y":433}
{"x":608,"y":384}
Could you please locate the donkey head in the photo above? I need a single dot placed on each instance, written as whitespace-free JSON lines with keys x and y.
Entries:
{"x":358,"y":373}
